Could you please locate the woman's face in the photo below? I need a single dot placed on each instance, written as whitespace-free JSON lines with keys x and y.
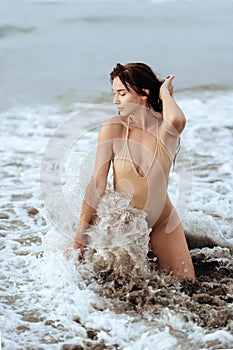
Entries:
{"x":126,"y":102}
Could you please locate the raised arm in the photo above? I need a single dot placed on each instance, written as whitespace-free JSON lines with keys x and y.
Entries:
{"x":95,"y":188}
{"x":172,"y":113}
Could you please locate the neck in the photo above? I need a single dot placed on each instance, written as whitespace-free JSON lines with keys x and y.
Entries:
{"x":143,"y":118}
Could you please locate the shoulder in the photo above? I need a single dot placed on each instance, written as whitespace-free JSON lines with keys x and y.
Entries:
{"x":112,"y":128}
{"x":114,"y":119}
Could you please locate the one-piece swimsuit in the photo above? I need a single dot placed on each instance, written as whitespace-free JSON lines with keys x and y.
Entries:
{"x":148,"y":192}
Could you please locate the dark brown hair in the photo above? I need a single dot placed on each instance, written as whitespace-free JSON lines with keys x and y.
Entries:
{"x":138,"y":77}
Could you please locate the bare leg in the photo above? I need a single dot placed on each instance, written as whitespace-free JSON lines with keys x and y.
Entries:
{"x":172,"y":251}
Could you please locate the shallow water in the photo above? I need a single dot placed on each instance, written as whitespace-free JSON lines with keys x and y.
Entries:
{"x":52,"y":54}
{"x":115,"y":298}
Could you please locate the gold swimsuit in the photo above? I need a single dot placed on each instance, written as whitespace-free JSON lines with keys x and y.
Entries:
{"x":148,"y":192}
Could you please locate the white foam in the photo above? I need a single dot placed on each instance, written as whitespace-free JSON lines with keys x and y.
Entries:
{"x":39,"y":285}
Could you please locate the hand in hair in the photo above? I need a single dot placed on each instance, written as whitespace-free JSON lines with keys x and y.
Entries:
{"x":167,"y":86}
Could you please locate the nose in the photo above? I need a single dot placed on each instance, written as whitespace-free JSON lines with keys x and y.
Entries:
{"x":116,"y":99}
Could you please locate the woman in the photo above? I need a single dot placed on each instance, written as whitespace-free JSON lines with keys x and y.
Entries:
{"x":141,"y":143}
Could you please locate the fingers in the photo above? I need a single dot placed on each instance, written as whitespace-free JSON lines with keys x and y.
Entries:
{"x":168,"y":83}
{"x":80,"y":255}
{"x":67,"y":250}
{"x":70,"y":248}
{"x":170,"y":77}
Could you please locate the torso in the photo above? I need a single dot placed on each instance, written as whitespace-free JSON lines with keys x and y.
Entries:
{"x":141,"y":165}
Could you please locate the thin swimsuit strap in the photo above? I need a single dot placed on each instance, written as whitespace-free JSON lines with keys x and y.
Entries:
{"x":127,"y":129}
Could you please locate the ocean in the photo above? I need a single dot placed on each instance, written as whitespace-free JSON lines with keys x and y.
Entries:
{"x":55,"y":93}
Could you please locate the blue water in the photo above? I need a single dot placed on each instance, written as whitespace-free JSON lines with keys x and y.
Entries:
{"x":70,"y":47}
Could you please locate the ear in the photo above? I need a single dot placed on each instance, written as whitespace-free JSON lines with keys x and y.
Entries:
{"x":147,"y":91}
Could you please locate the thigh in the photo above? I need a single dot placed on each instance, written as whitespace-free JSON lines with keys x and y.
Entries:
{"x":172,"y":251}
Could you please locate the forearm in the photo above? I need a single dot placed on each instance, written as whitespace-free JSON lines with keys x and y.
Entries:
{"x":92,"y":197}
{"x":85,"y":219}
{"x":172,"y":113}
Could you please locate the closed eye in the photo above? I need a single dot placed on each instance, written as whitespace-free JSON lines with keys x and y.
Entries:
{"x":122,"y":92}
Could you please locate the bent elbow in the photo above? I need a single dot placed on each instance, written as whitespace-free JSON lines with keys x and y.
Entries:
{"x":179,"y":123}
{"x":182,"y":123}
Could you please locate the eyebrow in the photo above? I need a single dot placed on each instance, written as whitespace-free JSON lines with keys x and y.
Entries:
{"x":119,"y":90}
